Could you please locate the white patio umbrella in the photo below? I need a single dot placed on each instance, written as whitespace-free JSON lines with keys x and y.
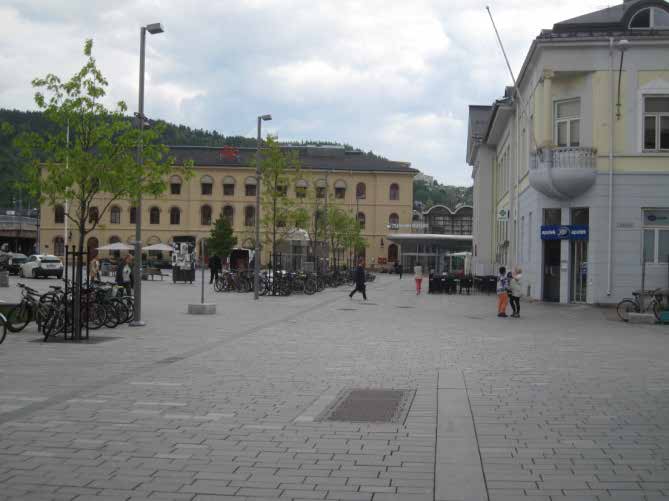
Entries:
{"x":116,"y":246}
{"x":159,"y":248}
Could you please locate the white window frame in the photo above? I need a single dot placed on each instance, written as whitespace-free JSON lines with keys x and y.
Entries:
{"x":656,"y":242}
{"x":658,"y":119}
{"x":652,"y":19}
{"x":568,"y":121}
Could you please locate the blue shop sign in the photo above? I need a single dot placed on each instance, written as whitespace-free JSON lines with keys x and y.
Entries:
{"x":565,"y":232}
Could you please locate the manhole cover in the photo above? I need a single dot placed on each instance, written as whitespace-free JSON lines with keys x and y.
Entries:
{"x":169,"y":360}
{"x":370,"y":406}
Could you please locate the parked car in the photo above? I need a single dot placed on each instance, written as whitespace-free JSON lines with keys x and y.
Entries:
{"x":41,"y":265}
{"x":14,"y":263}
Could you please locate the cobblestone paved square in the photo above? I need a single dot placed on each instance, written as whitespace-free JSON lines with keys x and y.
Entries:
{"x":564,"y":403}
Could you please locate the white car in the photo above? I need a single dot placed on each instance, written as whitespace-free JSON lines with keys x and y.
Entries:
{"x":41,"y":265}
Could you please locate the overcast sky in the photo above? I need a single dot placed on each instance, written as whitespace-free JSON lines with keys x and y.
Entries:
{"x":392,"y":76}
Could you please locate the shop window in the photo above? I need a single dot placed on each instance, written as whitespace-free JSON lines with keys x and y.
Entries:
{"x":656,"y":236}
{"x":568,"y":123}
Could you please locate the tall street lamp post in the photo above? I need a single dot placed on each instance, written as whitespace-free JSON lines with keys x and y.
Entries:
{"x":256,"y":259}
{"x":153,"y":29}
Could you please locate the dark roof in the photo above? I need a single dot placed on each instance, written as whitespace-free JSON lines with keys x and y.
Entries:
{"x":318,"y":158}
{"x":610,"y":20}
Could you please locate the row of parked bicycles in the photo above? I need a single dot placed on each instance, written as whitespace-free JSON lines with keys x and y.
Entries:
{"x":102,"y":305}
{"x":284,"y":283}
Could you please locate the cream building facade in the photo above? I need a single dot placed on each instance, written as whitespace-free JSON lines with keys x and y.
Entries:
{"x":571,"y":170}
{"x":378,"y":190}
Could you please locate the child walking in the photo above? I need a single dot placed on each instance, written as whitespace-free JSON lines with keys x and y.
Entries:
{"x":502,"y":292}
{"x":515,"y":291}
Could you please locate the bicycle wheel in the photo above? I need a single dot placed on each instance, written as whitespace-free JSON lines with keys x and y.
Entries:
{"x":625,"y":307}
{"x":18,"y":317}
{"x":657,"y":309}
{"x":111,"y":314}
{"x":95,"y":314}
{"x":55,"y":322}
{"x":310,"y":286}
{"x":3,"y":328}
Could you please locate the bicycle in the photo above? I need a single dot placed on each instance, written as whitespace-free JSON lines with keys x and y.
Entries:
{"x":629,"y":305}
{"x":3,"y":328}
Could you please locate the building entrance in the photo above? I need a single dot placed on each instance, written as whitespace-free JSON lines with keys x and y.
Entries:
{"x":551,"y":261}
{"x":578,"y":260}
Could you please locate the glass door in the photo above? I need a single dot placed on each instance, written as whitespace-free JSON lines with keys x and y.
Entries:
{"x":579,"y":259}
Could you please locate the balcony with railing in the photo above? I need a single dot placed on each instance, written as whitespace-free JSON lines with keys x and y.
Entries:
{"x":563,"y":173}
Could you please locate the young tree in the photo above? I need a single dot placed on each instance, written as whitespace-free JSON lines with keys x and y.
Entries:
{"x":221,"y":238}
{"x":278,"y":171}
{"x":101,"y":154}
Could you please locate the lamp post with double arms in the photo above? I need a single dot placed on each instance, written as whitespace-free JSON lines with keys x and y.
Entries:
{"x":153,"y":29}
{"x":257,"y":250}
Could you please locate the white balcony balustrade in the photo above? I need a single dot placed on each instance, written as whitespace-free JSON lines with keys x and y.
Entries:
{"x":563,"y":173}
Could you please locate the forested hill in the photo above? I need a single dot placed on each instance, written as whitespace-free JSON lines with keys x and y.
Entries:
{"x":429,"y":194}
{"x":23,"y":121}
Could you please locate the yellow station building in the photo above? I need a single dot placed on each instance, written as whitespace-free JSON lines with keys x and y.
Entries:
{"x":380,"y":191}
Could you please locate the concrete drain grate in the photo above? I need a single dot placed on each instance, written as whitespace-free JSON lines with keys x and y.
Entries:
{"x":360,"y":405}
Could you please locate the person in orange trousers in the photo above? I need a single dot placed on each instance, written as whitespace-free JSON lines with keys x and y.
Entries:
{"x":502,"y":292}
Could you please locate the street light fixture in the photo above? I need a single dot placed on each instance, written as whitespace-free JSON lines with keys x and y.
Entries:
{"x":153,"y":29}
{"x":256,"y":259}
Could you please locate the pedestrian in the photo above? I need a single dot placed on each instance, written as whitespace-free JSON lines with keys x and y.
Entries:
{"x":126,"y":275}
{"x":400,"y":269}
{"x":502,"y":292}
{"x":359,"y":277}
{"x":418,"y":277}
{"x":515,"y":291}
{"x":94,"y":270}
{"x":214,"y":268}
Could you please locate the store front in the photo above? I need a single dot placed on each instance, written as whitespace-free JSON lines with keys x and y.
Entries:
{"x":431,"y":251}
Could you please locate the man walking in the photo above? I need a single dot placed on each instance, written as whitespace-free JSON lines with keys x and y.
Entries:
{"x":214,"y":268}
{"x":359,"y":277}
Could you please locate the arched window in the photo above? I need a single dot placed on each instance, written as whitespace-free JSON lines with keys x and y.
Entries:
{"x":321,"y":188}
{"x":394,"y":191}
{"x":133,"y":215}
{"x":301,"y":188}
{"x":250,"y":186}
{"x":340,"y":189}
{"x":115,"y":215}
{"x":207,"y":185}
{"x":59,"y":215}
{"x":175,"y":215}
{"x":154,"y":215}
{"x":93,"y":215}
{"x":394,"y":221}
{"x":175,"y":185}
{"x":360,"y":191}
{"x":392,"y":253}
{"x":650,"y":18}
{"x":361,"y":220}
{"x":58,"y":246}
{"x":205,"y":215}
{"x":228,"y":186}
{"x":229,"y":214}
{"x":249,"y":216}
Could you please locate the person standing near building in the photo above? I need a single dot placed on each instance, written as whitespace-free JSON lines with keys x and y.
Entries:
{"x":502,"y":292}
{"x":214,"y":268}
{"x":359,"y":277}
{"x":94,"y":270}
{"x":515,"y":289}
{"x":400,"y":270}
{"x":418,"y":277}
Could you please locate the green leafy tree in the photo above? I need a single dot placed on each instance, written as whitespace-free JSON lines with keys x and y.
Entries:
{"x":278,"y":170}
{"x":101,"y":154}
{"x":221,"y":238}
